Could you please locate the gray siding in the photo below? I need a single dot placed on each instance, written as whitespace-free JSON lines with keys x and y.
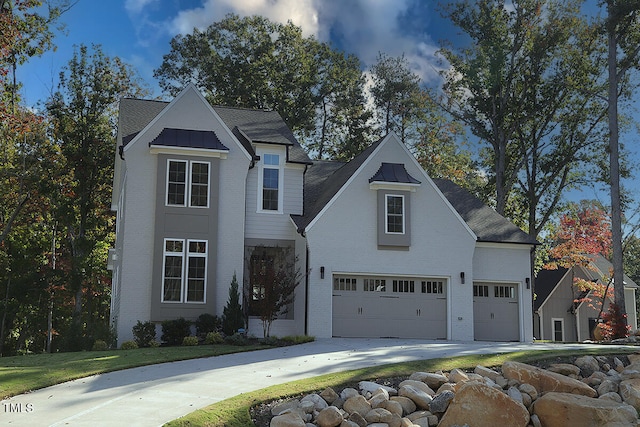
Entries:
{"x":185,"y":223}
{"x":389,"y":240}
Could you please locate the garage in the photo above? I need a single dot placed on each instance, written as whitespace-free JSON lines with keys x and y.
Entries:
{"x":382,"y":307}
{"x":495,"y":312}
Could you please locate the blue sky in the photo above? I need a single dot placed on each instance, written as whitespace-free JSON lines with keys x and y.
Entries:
{"x":139,"y":31}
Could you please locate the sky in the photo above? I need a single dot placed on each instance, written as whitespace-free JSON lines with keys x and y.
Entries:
{"x":139,"y":32}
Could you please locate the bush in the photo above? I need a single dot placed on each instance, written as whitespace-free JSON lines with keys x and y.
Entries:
{"x":129,"y":345}
{"x":213,"y":338}
{"x":298,"y":339}
{"x":154,"y":344}
{"x":174,"y":331}
{"x":232,"y":316}
{"x":271,"y":340}
{"x":99,"y":345}
{"x":237,"y":339}
{"x":190,"y":341}
{"x":144,"y":333}
{"x":207,"y":323}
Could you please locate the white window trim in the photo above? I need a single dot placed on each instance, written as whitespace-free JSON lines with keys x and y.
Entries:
{"x":188,"y":184}
{"x":185,"y":254}
{"x":261,"y":167}
{"x":386,"y":214}
{"x":553,"y":328}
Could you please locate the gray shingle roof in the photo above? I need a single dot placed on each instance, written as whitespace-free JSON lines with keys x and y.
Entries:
{"x":247,"y":125}
{"x":324,"y":179}
{"x":486,"y":223}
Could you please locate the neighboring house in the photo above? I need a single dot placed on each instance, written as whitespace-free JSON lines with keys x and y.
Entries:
{"x":389,"y":251}
{"x":562,"y":312}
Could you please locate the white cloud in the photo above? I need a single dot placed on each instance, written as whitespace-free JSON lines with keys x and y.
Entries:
{"x":136,"y":6}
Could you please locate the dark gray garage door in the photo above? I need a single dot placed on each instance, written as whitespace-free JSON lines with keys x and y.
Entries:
{"x":495,"y":312}
{"x":375,"y":307}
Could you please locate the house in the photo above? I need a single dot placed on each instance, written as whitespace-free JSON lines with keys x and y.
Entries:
{"x":562,"y":312}
{"x":202,"y":193}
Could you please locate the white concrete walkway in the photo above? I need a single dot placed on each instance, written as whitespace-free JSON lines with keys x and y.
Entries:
{"x":153,"y":395}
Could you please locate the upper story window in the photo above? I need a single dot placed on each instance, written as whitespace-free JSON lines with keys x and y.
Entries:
{"x":187,"y":183}
{"x":394,"y":213}
{"x":270,"y":183}
{"x":184,"y":272}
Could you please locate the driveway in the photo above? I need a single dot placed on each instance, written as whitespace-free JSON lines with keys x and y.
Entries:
{"x":153,"y":395}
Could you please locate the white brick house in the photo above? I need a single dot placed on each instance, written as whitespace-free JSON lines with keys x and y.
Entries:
{"x":390,"y":252}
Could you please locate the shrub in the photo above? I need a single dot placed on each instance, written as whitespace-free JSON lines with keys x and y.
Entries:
{"x":99,"y":345}
{"x":213,"y":338}
{"x":271,"y":340}
{"x":207,"y":323}
{"x":232,"y":316}
{"x":614,"y":324}
{"x":237,"y":339}
{"x":190,"y":341}
{"x":129,"y":345}
{"x":144,"y":333}
{"x":298,"y":339}
{"x":154,"y":344}
{"x":174,"y":331}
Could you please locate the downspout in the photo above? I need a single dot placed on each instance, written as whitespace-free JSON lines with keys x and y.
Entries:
{"x":306,"y":289}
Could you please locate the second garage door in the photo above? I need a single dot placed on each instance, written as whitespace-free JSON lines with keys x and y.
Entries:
{"x":403,"y":307}
{"x":495,"y":312}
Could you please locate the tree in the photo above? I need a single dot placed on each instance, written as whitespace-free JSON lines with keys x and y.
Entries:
{"x":397,"y":96}
{"x":623,"y":35}
{"x":583,"y":232}
{"x":521,"y":88}
{"x":232,"y":315}
{"x":82,"y":114}
{"x":273,"y":278}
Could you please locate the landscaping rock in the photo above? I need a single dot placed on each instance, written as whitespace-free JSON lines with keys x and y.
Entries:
{"x":419,"y":397}
{"x":630,"y":392}
{"x":483,"y":406}
{"x":433,"y":380}
{"x":587,"y":364}
{"x":564,"y":369}
{"x":564,"y":409}
{"x":545,"y":381}
{"x":441,"y":402}
{"x":329,"y":395}
{"x":407,"y":404}
{"x":329,"y":417}
{"x":357,"y":404}
{"x":290,"y":419}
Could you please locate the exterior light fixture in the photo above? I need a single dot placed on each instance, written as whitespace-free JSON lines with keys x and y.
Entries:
{"x":462,"y":277}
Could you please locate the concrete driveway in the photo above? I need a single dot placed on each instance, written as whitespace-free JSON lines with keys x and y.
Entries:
{"x":153,"y":395}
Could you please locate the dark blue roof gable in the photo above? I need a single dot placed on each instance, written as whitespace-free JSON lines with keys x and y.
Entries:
{"x":189,"y":138}
{"x":393,"y":172}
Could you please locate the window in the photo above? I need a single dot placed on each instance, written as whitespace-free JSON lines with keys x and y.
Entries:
{"x":184,"y":282}
{"x":404,"y":286}
{"x":394,"y":212}
{"x":344,"y":284}
{"x":432,"y":287}
{"x":375,"y":285}
{"x":187,"y":181}
{"x":270,"y":196}
{"x":480,"y":290}
{"x":505,"y":292}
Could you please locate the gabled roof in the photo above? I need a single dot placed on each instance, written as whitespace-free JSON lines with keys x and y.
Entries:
{"x":486,"y":223}
{"x":545,"y":282}
{"x":249,"y":126}
{"x":323,"y":180}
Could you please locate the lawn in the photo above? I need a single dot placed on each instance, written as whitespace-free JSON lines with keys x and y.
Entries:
{"x":20,"y":374}
{"x":234,"y":412}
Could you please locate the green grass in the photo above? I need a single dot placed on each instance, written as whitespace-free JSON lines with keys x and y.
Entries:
{"x":234,"y":412}
{"x":20,"y":374}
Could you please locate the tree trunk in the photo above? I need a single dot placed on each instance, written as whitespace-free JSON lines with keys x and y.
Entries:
{"x":614,"y":164}
{"x":4,"y":316}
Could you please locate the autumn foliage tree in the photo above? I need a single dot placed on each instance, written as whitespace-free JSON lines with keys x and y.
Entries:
{"x":584,"y":232}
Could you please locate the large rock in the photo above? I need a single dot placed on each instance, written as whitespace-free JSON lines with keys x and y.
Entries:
{"x":441,"y":402}
{"x":545,"y":381}
{"x":630,"y":392}
{"x":318,"y":402}
{"x":419,"y":385}
{"x":408,"y":406}
{"x":483,"y":406}
{"x":564,"y":409}
{"x":357,"y":404}
{"x":380,"y":415}
{"x":329,"y":417}
{"x":419,"y":397}
{"x":564,"y":369}
{"x":290,"y":419}
{"x":588,"y":365}
{"x":486,"y":372}
{"x":433,"y":380}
